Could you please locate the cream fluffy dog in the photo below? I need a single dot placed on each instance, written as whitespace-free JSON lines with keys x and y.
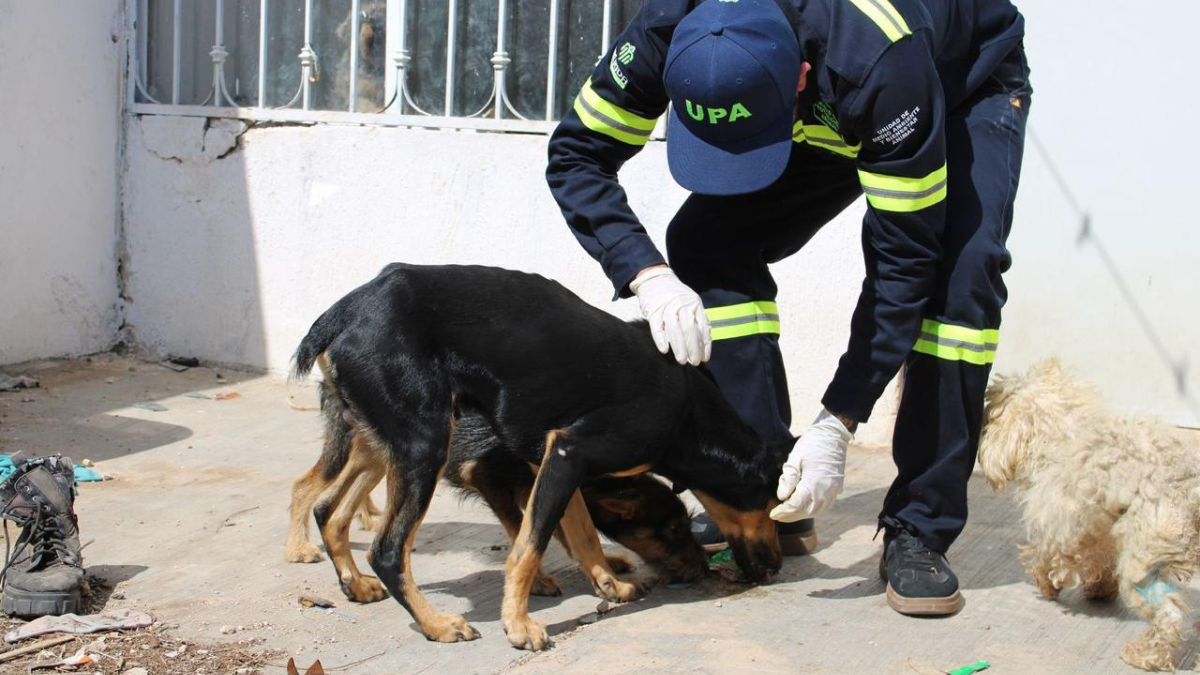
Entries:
{"x":1112,"y":504}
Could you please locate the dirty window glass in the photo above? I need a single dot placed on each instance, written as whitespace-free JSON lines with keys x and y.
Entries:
{"x":351,"y":55}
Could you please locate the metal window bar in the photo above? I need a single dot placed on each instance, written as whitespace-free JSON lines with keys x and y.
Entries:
{"x":355,"y":17}
{"x":401,"y":106}
{"x":263,"y":24}
{"x":552,"y":61}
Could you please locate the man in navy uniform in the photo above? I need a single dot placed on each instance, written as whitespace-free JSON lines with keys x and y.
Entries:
{"x":782,"y":113}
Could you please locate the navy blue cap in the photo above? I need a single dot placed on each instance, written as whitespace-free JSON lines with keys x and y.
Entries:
{"x":732,"y":70}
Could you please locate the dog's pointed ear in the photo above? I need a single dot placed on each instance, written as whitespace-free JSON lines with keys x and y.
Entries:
{"x":291,"y":667}
{"x":625,"y":503}
{"x":315,"y":669}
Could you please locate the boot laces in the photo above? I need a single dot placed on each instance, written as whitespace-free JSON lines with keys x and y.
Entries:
{"x":45,"y":539}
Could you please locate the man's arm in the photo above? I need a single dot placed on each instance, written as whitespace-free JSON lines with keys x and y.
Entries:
{"x":609,"y":123}
{"x":899,"y":116}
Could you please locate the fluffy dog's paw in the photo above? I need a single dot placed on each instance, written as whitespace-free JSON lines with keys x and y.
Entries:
{"x":303,"y":553}
{"x":449,"y":628}
{"x":619,"y":563}
{"x":615,"y":590}
{"x":1147,"y":655}
{"x":525,"y":633}
{"x":364,"y":589}
{"x":545,"y":586}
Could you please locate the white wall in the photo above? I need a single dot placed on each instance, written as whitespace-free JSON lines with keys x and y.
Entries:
{"x":231,"y":259}
{"x":60,"y":73}
{"x":1114,"y":106}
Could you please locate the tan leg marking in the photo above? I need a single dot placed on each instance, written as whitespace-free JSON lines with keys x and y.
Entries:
{"x":584,"y":545}
{"x":358,"y":477}
{"x":305,"y":491}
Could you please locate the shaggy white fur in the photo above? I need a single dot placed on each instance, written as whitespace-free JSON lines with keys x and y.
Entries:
{"x":1110,"y":503}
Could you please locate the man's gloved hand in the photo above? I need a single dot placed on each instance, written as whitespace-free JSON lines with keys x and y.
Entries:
{"x":675,"y":313}
{"x":814,"y":471}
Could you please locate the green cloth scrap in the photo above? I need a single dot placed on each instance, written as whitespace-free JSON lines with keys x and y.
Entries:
{"x":967,"y":670}
{"x":82,"y":473}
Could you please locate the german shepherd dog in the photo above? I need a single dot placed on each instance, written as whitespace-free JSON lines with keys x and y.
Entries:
{"x":638,"y":512}
{"x":565,"y":387}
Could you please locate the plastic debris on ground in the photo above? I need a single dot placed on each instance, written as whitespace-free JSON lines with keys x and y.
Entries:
{"x":226,"y":396}
{"x":114,"y":619}
{"x":151,"y":406}
{"x":83,"y":474}
{"x":968,"y":670}
{"x":314,"y":601}
{"x":15,"y":382}
{"x":723,"y":563}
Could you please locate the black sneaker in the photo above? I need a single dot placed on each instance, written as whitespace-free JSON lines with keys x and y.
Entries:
{"x":43,"y":572}
{"x":920,"y":581}
{"x":798,"y":538}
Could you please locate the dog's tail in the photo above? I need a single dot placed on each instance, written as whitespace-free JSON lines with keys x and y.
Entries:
{"x":335,"y":320}
{"x":322,"y":333}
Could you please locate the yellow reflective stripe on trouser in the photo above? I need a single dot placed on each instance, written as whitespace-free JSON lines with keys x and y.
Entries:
{"x":605,"y":118}
{"x":905,"y":195}
{"x":822,"y":136}
{"x":747,"y":318}
{"x":885,"y":16}
{"x":958,"y":343}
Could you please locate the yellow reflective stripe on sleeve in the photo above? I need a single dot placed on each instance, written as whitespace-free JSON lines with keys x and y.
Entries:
{"x":603,"y":117}
{"x":748,"y":318}
{"x":904,"y":195}
{"x":821,"y":136}
{"x":958,"y":343}
{"x":884,"y":15}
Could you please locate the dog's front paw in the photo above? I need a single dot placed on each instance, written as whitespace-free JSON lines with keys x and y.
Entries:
{"x":449,"y":628}
{"x":1147,"y":655}
{"x":525,"y":633}
{"x":545,"y":586}
{"x":303,"y":553}
{"x":364,"y":589}
{"x":615,"y":590}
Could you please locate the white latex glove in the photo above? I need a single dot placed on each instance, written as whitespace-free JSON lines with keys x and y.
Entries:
{"x":814,"y":471}
{"x":675,"y":313}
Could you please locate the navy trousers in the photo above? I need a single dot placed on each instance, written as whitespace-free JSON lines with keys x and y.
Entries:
{"x":721,"y":247}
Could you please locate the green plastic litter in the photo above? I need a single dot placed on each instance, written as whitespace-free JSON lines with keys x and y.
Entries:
{"x":967,"y":670}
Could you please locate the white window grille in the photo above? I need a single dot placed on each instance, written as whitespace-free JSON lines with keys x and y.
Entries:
{"x":508,"y":65}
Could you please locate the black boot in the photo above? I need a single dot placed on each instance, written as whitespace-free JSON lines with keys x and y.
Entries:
{"x":43,"y":573}
{"x":920,"y":581}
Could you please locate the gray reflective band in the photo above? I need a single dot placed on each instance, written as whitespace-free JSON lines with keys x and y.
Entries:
{"x":892,"y":20}
{"x":899,"y":194}
{"x":743,"y":319}
{"x":959,"y":344}
{"x":610,"y":121}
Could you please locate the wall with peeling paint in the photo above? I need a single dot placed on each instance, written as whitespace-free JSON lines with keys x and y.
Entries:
{"x":59,"y":176}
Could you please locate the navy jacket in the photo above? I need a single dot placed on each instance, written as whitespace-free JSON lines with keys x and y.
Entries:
{"x":885,"y":72}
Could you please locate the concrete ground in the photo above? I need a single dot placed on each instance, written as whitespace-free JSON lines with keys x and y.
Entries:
{"x":192,"y":529}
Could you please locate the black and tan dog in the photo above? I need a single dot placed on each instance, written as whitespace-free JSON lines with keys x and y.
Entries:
{"x":638,"y":512}
{"x":564,"y":386}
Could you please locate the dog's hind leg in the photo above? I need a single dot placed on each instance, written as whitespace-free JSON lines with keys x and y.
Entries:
{"x":505,"y":501}
{"x":419,"y":455}
{"x":305,"y":491}
{"x":1150,"y":584}
{"x":369,"y":515}
{"x":334,"y":511}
